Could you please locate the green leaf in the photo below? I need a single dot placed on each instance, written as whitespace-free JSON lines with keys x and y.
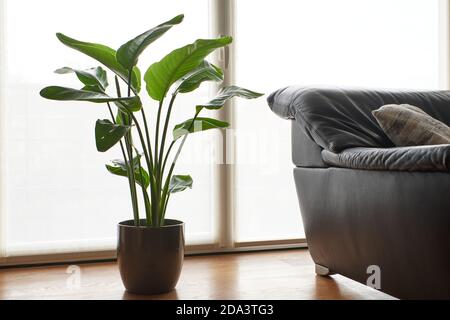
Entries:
{"x":204,"y":72}
{"x":227,"y":93}
{"x":128,"y":54}
{"x":104,"y":55}
{"x":200,"y":124}
{"x":136,"y":74}
{"x":93,"y":89}
{"x":119,"y":171}
{"x":119,"y":168}
{"x":122,"y":118}
{"x":69,"y":94}
{"x":107,"y":134}
{"x":161,"y":75}
{"x":132,"y":105}
{"x":90,"y":77}
{"x":180,"y":183}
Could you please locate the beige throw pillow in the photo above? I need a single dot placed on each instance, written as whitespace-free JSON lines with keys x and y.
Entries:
{"x":407,"y":125}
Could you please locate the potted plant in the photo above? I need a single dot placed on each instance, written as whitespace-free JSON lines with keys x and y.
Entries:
{"x":150,"y":250}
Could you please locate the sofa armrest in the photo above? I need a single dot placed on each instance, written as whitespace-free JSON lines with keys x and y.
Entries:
{"x":417,"y":158}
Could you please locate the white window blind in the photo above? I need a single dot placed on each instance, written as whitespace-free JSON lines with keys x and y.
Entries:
{"x":57,"y":195}
{"x":371,"y":43}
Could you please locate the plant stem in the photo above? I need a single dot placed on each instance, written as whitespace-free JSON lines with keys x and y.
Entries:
{"x":158,"y":120}
{"x":167,"y":156}
{"x":151,"y":165}
{"x":151,"y":170}
{"x":153,"y":182}
{"x":124,"y":158}
{"x":185,"y":137}
{"x":149,"y":161}
{"x":128,"y":144}
{"x":163,"y":215}
{"x":144,"y":194}
{"x":166,"y":189}
{"x":150,"y":211}
{"x":129,"y":82}
{"x":169,"y":175}
{"x":144,"y":118}
{"x":157,"y":204}
{"x":157,"y":195}
{"x":166,"y":124}
{"x":141,"y":137}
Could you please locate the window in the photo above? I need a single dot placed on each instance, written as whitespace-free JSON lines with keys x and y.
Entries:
{"x":374,"y":43}
{"x":56,"y":198}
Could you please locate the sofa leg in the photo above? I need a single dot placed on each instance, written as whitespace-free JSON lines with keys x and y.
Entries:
{"x":323,"y":271}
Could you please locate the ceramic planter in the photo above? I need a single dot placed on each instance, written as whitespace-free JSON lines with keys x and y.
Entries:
{"x":150,"y":258}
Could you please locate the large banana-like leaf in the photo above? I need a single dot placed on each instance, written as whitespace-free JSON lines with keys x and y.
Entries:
{"x":204,"y":72}
{"x":200,"y":124}
{"x":129,"y":105}
{"x":95,"y":88}
{"x":161,"y":75}
{"x":69,"y":94}
{"x":104,"y":55}
{"x":119,"y":168}
{"x":128,"y":54}
{"x":180,"y":183}
{"x":90,"y":77}
{"x":227,"y":93}
{"x":107,"y":134}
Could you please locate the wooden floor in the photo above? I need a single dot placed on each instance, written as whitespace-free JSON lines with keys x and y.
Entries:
{"x":287,"y":274}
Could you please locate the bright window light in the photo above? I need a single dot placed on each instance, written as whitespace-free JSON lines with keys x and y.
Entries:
{"x":371,"y":43}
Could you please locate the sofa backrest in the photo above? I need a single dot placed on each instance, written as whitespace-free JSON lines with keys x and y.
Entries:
{"x":338,"y":119}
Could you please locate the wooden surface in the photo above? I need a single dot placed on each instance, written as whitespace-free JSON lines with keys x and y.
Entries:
{"x":287,"y":274}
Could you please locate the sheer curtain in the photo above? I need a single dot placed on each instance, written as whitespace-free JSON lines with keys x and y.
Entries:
{"x":371,"y":43}
{"x":57,"y":195}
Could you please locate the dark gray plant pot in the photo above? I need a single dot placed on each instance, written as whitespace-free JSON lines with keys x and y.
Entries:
{"x":150,"y":259}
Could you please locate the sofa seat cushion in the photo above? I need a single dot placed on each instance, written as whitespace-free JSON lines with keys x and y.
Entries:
{"x":418,"y":158}
{"x":337,"y":119}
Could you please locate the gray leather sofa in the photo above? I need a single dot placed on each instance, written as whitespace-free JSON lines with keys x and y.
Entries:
{"x":365,"y":202}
